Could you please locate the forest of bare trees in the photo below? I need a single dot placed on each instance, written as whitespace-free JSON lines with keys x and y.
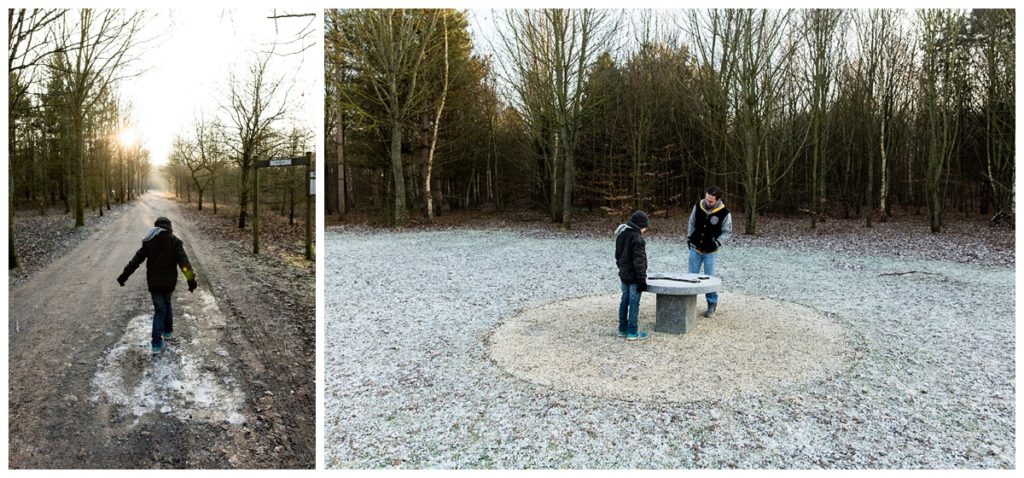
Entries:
{"x":212,"y":162}
{"x":71,"y":135}
{"x":65,"y":140}
{"x":821,"y":113}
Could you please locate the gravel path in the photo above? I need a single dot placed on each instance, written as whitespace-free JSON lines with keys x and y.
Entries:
{"x":410,"y":382}
{"x":235,"y":388}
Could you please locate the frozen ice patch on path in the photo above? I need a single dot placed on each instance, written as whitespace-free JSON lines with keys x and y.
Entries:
{"x":188,"y":380}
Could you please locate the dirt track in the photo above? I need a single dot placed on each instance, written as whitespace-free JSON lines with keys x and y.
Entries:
{"x":235,"y":388}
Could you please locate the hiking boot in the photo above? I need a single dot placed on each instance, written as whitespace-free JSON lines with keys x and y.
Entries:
{"x":636,"y":336}
{"x":158,"y":348}
{"x":711,"y":311}
{"x":168,"y":335}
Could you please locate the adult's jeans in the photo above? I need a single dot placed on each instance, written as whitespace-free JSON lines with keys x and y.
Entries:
{"x":163,"y":317}
{"x":629,"y":308}
{"x":708,"y":261}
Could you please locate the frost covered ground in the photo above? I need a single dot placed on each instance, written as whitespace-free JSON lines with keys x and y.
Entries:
{"x":411,"y":382}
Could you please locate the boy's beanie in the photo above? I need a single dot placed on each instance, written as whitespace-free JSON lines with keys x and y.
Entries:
{"x":640,"y":219}
{"x":163,"y":223}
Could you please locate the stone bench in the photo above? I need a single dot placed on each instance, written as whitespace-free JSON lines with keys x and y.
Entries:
{"x":676,"y":311}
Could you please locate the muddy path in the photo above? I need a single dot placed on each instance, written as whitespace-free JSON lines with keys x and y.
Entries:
{"x":234,"y":389}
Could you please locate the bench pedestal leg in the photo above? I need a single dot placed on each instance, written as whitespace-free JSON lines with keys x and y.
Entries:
{"x":675,"y":314}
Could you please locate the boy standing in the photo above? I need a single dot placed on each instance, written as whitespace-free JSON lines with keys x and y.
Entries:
{"x":162,"y":251}
{"x":631,"y":257}
{"x":709,"y":227}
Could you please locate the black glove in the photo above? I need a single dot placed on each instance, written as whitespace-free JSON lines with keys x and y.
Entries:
{"x":641,"y":286}
{"x":121,"y":279}
{"x":192,"y":284}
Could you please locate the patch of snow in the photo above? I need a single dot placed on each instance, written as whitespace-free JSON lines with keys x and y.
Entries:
{"x":186,"y":380}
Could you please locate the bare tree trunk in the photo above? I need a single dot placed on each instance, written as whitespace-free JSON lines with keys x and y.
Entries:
{"x":397,"y":173}
{"x":567,"y":177}
{"x":750,"y":191}
{"x":869,"y":197}
{"x":556,"y":179}
{"x":46,"y":192}
{"x":815,"y":165}
{"x":424,"y":140}
{"x":882,"y":190}
{"x":106,"y":180}
{"x":494,"y":157}
{"x":429,"y":166}
{"x":340,"y":137}
{"x":79,"y":159}
{"x":243,"y":199}
{"x":12,"y":255}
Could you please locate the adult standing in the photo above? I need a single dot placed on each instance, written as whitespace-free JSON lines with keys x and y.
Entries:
{"x":710,"y":226}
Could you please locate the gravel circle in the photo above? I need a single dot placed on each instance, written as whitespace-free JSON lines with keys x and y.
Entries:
{"x":410,"y":385}
{"x":753,"y":345}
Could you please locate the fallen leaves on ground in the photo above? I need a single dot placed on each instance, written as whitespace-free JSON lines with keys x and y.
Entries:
{"x":280,"y":273}
{"x":39,"y":239}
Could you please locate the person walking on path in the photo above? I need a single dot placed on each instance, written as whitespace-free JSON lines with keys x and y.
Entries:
{"x":164,"y":254}
{"x":710,"y":226}
{"x":631,"y":257}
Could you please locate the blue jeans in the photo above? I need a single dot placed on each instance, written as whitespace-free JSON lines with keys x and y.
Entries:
{"x":163,"y":317}
{"x":696,"y":259}
{"x":629,"y":307}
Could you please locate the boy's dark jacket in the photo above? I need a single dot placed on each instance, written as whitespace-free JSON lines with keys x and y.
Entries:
{"x":163,"y":253}
{"x":631,"y":254}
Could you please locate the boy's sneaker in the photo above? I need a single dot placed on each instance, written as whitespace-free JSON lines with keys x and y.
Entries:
{"x":168,"y":335}
{"x":711,"y":311}
{"x":158,"y":348}
{"x":636,"y":336}
{"x":622,"y":334}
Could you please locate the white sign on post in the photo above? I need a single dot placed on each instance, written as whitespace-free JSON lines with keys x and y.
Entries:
{"x":312,"y":183}
{"x":280,"y":162}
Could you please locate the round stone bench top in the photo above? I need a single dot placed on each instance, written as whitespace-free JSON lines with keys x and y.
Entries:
{"x":662,"y":284}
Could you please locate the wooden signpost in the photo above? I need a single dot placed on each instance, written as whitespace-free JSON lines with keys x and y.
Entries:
{"x":306,"y":161}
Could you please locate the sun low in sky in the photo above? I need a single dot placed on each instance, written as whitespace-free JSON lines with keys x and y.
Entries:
{"x":185,"y":58}
{"x":127,"y":137}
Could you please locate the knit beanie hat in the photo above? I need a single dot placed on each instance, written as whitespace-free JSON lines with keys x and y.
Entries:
{"x":640,"y":219}
{"x":163,"y":223}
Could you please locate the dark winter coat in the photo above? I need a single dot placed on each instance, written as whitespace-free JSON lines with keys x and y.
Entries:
{"x":709,"y":229}
{"x":163,"y":253}
{"x":631,"y":254}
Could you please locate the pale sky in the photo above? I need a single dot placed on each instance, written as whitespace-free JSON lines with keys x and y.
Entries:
{"x":188,"y":55}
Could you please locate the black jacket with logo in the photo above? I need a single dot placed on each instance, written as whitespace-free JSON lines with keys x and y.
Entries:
{"x":631,"y":254}
{"x":163,"y":253}
{"x":708,"y":229}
